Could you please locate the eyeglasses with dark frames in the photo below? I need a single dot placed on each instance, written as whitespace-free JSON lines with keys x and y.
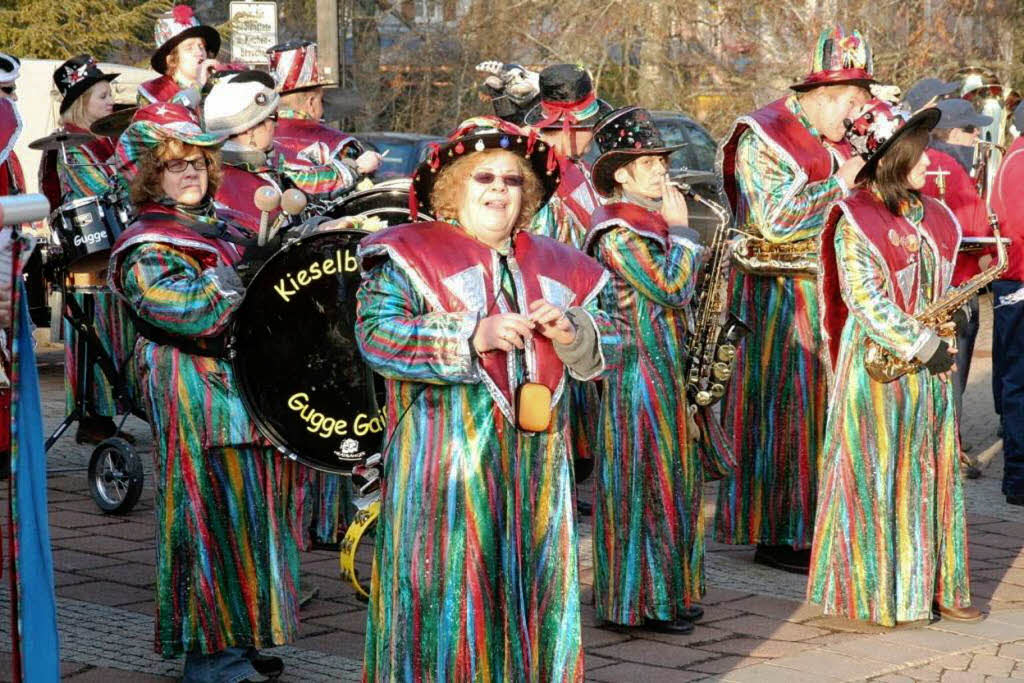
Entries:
{"x":179,"y":165}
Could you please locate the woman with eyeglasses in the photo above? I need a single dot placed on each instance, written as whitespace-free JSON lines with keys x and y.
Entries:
{"x":185,"y":56}
{"x":243,"y":107}
{"x":87,"y":172}
{"x":226,"y":506}
{"x":476,"y":325}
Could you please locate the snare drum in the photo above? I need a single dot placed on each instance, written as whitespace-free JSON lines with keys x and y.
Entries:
{"x":86,"y":229}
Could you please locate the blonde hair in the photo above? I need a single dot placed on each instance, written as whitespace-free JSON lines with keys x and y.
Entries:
{"x":147,"y":186}
{"x":76,"y":113}
{"x":445,"y":197}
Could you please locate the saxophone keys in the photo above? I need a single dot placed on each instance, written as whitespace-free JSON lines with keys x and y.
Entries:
{"x":726,"y":352}
{"x":721,"y":371}
{"x":718,"y":390}
{"x":703,"y":398}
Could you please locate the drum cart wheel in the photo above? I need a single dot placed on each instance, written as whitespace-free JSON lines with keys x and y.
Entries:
{"x":115,"y":476}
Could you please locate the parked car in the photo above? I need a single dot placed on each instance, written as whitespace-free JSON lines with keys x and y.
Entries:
{"x":404,"y":151}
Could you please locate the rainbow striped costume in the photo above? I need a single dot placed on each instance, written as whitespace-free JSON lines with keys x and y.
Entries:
{"x":648,"y":524}
{"x":891,"y":534}
{"x":475,"y":564}
{"x":778,"y":177}
{"x":226,"y":503}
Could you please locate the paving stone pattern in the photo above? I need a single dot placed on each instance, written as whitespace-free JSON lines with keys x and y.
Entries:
{"x":756,"y":628}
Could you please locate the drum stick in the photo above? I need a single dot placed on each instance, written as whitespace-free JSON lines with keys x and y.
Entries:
{"x":266,"y":199}
{"x":293,"y":202}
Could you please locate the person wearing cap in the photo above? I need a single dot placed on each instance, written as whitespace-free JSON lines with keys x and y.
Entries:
{"x":1008,"y":317}
{"x":475,"y":324}
{"x":951,"y":151}
{"x":86,"y":97}
{"x":926,"y":92}
{"x":890,"y":543}
{"x":185,"y":55}
{"x":648,"y":534}
{"x":227,"y":554}
{"x":782,"y":166}
{"x":243,"y":107}
{"x":301,"y":134}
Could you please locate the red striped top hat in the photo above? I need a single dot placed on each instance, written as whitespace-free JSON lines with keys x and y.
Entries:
{"x":295,"y":65}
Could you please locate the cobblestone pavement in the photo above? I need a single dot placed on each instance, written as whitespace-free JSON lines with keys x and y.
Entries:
{"x":756,"y":628}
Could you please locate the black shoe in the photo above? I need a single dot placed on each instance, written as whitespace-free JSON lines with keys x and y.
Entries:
{"x":692,"y":614}
{"x":585,"y":508}
{"x":783,"y":557}
{"x":678,"y":626}
{"x":1015,"y":500}
{"x":266,"y":665}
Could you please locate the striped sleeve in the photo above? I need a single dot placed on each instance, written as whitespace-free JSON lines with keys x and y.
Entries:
{"x":320,"y":180}
{"x":401,"y":339}
{"x":83,"y":176}
{"x":765,"y":181}
{"x":171,"y":290}
{"x":666,"y":278}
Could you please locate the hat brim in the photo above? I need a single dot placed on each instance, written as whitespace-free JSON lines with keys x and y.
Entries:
{"x":536,"y":115}
{"x":602,"y":173}
{"x":209,"y":35}
{"x":926,"y":118}
{"x":80,"y":88}
{"x":309,"y":86}
{"x":808,"y":85}
{"x":426,"y":173}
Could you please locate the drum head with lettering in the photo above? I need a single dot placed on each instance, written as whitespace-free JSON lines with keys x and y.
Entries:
{"x":296,"y":360}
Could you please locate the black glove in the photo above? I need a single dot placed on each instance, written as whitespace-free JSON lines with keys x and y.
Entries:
{"x":941,"y":361}
{"x":961,"y":317}
{"x":255,"y":256}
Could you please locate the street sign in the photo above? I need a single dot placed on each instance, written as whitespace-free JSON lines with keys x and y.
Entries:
{"x":253,"y":31}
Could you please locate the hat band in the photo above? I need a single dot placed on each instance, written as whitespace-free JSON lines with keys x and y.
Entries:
{"x":834,"y":75}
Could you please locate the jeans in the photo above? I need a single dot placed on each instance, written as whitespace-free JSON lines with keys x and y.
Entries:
{"x":227,"y":666}
{"x":965,"y":351}
{"x":1008,"y":379}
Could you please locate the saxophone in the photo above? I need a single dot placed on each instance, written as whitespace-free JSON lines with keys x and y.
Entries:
{"x":711,"y":348}
{"x":884,"y":366}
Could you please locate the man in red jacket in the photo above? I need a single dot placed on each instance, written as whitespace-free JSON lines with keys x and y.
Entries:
{"x":1008,"y":309}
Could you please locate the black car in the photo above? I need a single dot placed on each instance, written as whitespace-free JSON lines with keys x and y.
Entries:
{"x":404,"y":151}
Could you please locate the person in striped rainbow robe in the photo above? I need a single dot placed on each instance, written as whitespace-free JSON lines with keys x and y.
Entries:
{"x":891,"y":540}
{"x":473,"y":320}
{"x":648,"y":523}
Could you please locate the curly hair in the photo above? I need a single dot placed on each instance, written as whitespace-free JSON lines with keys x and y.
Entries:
{"x":147,"y":185}
{"x":446,"y":196}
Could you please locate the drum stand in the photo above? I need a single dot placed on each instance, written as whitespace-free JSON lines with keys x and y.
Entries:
{"x":115,"y":471}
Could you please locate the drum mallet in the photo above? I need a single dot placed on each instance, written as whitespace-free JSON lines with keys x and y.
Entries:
{"x":266,"y":199}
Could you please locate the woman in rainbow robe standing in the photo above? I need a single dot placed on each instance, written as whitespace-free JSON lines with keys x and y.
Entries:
{"x":475,"y":566}
{"x":891,"y":538}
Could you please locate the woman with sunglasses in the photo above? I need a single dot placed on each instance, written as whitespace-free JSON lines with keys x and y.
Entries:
{"x":476,"y":324}
{"x":86,"y":172}
{"x":243,"y":107}
{"x":226,"y":504}
{"x":890,"y":544}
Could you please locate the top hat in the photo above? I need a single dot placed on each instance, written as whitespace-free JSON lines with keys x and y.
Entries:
{"x":567,"y":99}
{"x":175,"y":26}
{"x":621,"y":137}
{"x":840,"y":58}
{"x":878,"y":125}
{"x":295,"y":65}
{"x":476,"y":135}
{"x":75,"y":76}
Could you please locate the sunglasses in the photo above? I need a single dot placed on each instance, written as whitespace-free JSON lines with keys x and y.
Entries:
{"x":179,"y":165}
{"x":9,"y":89}
{"x":486,"y":178}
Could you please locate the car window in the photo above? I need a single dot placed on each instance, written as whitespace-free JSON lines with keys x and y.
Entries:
{"x":699,"y":152}
{"x":401,"y":158}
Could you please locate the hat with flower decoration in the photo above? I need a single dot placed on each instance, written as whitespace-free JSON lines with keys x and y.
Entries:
{"x":175,"y":26}
{"x":878,"y":125}
{"x":295,"y":65}
{"x":567,"y":99}
{"x":156,"y":123}
{"x":621,"y":137}
{"x":75,"y":76}
{"x":840,"y":58}
{"x":476,"y":135}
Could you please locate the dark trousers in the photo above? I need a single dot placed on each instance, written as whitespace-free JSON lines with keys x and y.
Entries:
{"x":965,"y":351}
{"x":1008,"y":380}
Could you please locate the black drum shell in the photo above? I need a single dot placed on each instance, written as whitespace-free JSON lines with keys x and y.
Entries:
{"x":87,"y":229}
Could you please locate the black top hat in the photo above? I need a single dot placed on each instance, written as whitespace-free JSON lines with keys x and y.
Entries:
{"x":75,"y":76}
{"x":622,"y":136}
{"x":877,"y":127}
{"x":567,"y":99}
{"x":175,"y":26}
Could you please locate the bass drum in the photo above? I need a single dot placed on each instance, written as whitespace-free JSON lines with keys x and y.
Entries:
{"x":388,"y":202}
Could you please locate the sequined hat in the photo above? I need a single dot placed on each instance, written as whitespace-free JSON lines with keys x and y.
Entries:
{"x":175,"y":26}
{"x":239,"y":102}
{"x":621,"y":137}
{"x":476,"y":135}
{"x":75,"y":76}
{"x":154,"y":124}
{"x":567,"y":99}
{"x":878,"y":125}
{"x":840,"y":58}
{"x":296,"y":67}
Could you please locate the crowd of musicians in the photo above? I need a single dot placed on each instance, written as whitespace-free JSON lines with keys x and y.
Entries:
{"x":538,"y":314}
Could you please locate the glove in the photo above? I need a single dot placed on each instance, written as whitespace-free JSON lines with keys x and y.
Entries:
{"x":941,"y":361}
{"x":255,"y":256}
{"x":961,"y":317}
